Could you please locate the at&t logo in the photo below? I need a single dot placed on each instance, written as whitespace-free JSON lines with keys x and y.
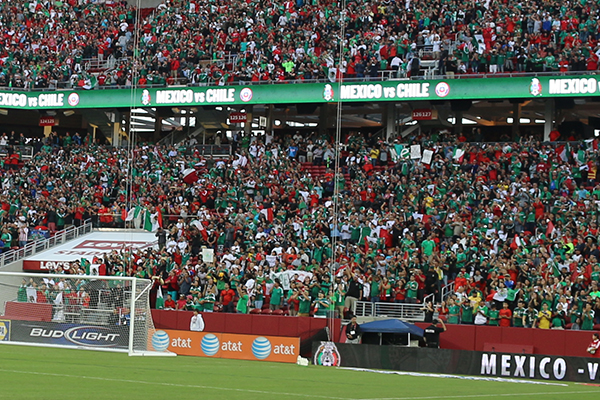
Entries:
{"x":210,"y":344}
{"x":261,"y":348}
{"x":160,"y":341}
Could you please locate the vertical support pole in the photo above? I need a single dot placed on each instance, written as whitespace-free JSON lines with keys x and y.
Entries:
{"x":548,"y":117}
{"x":516,"y":120}
{"x":132,"y":315}
{"x":248,"y":124}
{"x":458,"y":125}
{"x":389,"y":119}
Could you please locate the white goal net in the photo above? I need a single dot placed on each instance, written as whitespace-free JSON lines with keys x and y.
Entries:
{"x":93,"y":312}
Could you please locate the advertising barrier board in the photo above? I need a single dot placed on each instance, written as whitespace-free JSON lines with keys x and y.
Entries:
{"x":56,"y":333}
{"x":461,"y":362}
{"x":227,"y":345}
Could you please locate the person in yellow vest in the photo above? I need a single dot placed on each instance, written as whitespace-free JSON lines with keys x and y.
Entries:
{"x":544,"y":317}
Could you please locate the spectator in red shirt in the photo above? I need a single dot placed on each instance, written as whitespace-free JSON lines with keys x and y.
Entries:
{"x":170,"y":303}
{"x":505,"y":315}
{"x":226,"y":298}
{"x":181,"y":302}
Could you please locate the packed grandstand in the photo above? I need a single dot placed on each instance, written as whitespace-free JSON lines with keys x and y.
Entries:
{"x":92,"y":44}
{"x":512,"y":224}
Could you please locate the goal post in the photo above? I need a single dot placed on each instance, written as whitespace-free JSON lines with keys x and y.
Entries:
{"x":108,"y":313}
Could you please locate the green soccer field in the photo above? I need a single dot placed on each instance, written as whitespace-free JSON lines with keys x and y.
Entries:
{"x":46,"y":373}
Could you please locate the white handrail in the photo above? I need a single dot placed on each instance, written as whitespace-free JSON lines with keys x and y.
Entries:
{"x":38,"y":246}
{"x":447,"y":290}
{"x":407,"y":311}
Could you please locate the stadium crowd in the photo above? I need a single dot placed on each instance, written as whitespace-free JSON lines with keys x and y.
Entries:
{"x":53,"y":44}
{"x":513,"y":224}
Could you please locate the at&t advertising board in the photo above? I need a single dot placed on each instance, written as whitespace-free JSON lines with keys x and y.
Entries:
{"x":227,"y":345}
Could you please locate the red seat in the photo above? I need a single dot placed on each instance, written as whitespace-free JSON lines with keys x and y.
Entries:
{"x":277,"y":312}
{"x":256,"y":311}
{"x":267,"y":311}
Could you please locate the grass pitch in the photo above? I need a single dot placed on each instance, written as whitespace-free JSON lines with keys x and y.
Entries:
{"x":47,"y":373}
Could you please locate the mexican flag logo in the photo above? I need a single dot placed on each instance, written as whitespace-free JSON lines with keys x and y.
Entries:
{"x":535,"y":87}
{"x":327,"y":355}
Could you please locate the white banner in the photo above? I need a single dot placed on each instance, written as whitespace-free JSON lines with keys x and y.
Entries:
{"x":286,"y":277}
{"x":208,"y":255}
{"x":427,"y":156}
{"x":415,"y":151}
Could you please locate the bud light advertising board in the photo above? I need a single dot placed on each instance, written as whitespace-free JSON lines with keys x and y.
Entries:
{"x":77,"y":335}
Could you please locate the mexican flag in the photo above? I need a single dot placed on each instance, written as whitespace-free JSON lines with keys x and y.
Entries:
{"x":201,"y":228}
{"x":88,"y":83}
{"x":190,"y":176}
{"x":516,"y":243}
{"x":160,"y":300}
{"x":555,"y":270}
{"x":159,"y":218}
{"x":579,"y":157}
{"x":458,"y":155}
{"x":133,"y":213}
{"x":148,"y":221}
{"x":561,"y":152}
{"x":550,"y":229}
{"x":268,"y":213}
{"x":592,"y":144}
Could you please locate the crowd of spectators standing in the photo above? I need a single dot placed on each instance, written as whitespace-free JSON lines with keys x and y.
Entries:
{"x":513,"y":224}
{"x":93,"y":43}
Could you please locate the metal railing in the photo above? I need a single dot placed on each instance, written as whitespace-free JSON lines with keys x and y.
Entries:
{"x":447,"y":290}
{"x":383,"y":75}
{"x":211,"y":150}
{"x":38,"y":246}
{"x":406,"y":311}
{"x":26,"y":152}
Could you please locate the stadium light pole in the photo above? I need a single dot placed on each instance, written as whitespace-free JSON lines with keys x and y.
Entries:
{"x":336,"y":165}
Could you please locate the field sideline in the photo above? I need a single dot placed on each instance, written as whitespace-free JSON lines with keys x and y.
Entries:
{"x":47,"y":373}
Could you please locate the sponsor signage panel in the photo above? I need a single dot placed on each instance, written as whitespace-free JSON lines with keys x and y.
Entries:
{"x":227,"y":345}
{"x":69,"y":334}
{"x":444,"y":361}
{"x":89,"y":246}
{"x":5,"y":330}
{"x":392,"y":90}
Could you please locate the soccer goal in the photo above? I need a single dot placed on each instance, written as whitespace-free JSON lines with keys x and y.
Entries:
{"x":78,"y":311}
